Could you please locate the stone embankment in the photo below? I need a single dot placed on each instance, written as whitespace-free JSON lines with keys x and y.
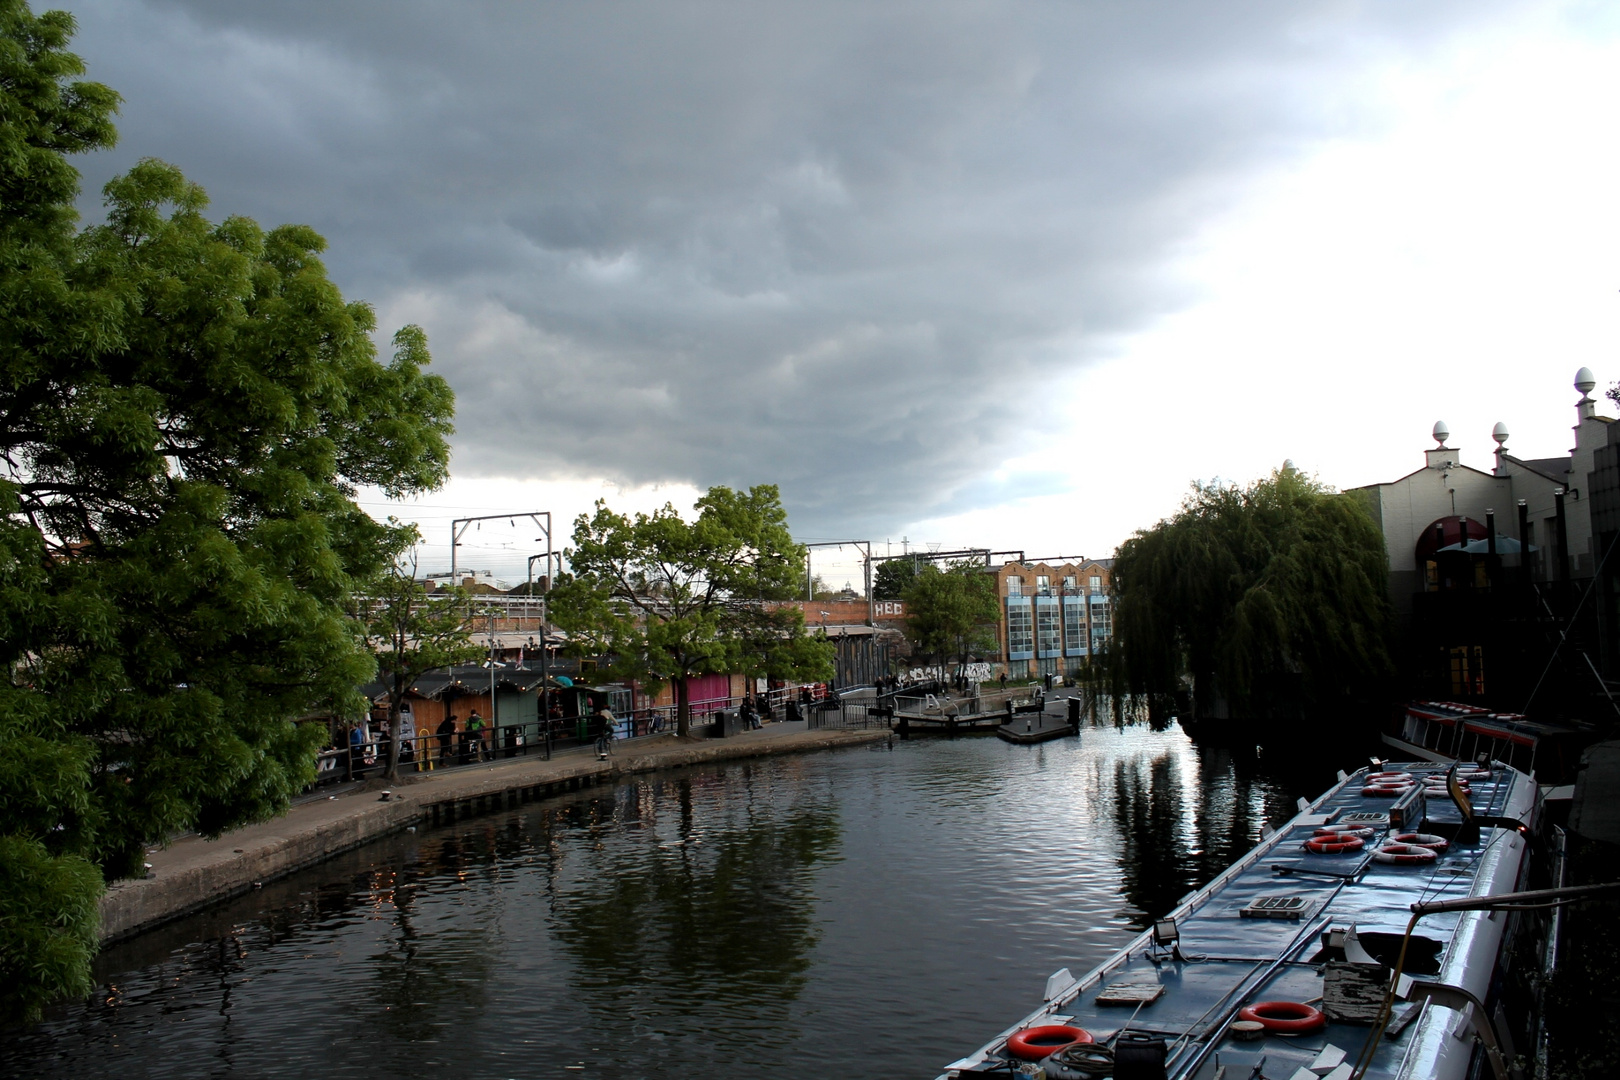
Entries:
{"x":192,"y":872}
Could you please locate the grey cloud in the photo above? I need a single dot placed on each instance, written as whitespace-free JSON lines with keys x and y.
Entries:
{"x":840,"y":247}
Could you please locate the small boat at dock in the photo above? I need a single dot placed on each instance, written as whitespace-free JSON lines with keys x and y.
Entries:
{"x":1337,"y":947}
{"x":1035,"y":727}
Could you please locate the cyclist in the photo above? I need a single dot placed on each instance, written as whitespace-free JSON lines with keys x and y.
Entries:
{"x":604,"y":733}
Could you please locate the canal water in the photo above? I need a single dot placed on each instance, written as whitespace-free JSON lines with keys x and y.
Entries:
{"x":856,"y":913}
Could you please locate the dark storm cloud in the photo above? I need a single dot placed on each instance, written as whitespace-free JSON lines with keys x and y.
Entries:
{"x":845,"y":248}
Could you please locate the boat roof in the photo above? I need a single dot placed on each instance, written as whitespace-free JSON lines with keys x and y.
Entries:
{"x":1230,"y":954}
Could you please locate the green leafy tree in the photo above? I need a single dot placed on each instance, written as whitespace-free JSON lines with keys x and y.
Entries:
{"x":186,"y":410}
{"x":412,"y":632}
{"x":661,"y":599}
{"x":952,"y":613}
{"x":1271,"y":597}
{"x":892,"y":577}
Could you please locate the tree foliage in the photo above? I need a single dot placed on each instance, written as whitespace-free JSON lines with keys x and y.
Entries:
{"x":892,"y":577}
{"x":412,"y":632}
{"x":661,"y":599}
{"x":952,"y":613}
{"x":1272,"y":597}
{"x":186,"y":409}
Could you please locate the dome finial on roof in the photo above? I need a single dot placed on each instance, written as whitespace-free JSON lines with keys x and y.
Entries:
{"x":1500,"y":434}
{"x":1585,"y":381}
{"x":1441,"y":433}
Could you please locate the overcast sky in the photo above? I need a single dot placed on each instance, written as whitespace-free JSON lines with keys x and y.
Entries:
{"x":966,"y":273}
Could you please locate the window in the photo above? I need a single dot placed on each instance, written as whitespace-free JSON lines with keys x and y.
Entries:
{"x":1102,"y":623}
{"x":1043,"y":585}
{"x":1096,"y":583}
{"x":1070,"y":582}
{"x":1048,"y":666}
{"x":1046,"y":622}
{"x":1020,"y":635}
{"x":1015,"y":586}
{"x":1074,"y":628}
{"x":1467,"y":670}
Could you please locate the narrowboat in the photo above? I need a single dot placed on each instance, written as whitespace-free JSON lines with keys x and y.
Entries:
{"x":1443,"y":731}
{"x":1305,"y":960}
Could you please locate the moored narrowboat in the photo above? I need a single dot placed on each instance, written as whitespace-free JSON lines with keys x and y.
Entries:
{"x":1304,"y":959}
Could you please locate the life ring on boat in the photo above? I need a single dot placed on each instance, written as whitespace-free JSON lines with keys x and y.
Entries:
{"x":1389,"y":778}
{"x":1285,"y":1017}
{"x":1384,"y":791}
{"x":1435,"y":844}
{"x":1335,"y":843}
{"x":1405,"y":853}
{"x":1033,"y":1044}
{"x":1473,"y":774}
{"x":1361,"y":831}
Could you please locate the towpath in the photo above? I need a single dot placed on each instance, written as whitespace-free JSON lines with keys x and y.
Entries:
{"x":191,"y":872}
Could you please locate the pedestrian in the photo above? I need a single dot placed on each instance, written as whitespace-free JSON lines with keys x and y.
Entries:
{"x":475,"y":734}
{"x":602,"y":722}
{"x":1004,"y":680}
{"x":446,"y":732}
{"x":357,"y":743}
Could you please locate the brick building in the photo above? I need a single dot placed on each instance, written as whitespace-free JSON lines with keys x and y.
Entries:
{"x":1054,"y":615}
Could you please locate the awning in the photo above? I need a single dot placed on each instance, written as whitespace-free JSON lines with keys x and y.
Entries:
{"x":1505,"y":545}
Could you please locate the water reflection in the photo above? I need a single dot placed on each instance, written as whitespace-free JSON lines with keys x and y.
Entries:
{"x":786,"y":916}
{"x":713,"y":915}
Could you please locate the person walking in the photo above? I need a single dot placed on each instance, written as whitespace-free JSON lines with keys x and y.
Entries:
{"x":446,"y":732}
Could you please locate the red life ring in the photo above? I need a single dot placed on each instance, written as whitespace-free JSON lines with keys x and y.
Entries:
{"x":1345,"y":830}
{"x":1285,"y":1017}
{"x":1389,"y":778}
{"x":1033,"y":1044}
{"x":1334,"y":844}
{"x":1405,"y":853}
{"x":1384,"y":791}
{"x":1436,"y":844}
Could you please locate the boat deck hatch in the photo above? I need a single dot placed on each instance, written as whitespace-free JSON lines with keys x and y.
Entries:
{"x":1274,"y":907}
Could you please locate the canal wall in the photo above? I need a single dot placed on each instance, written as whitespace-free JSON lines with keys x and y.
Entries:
{"x":192,"y":873}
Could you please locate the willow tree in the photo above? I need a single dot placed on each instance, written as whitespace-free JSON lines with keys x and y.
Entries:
{"x":187,"y":409}
{"x":1271,"y":599}
{"x":659,"y":599}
